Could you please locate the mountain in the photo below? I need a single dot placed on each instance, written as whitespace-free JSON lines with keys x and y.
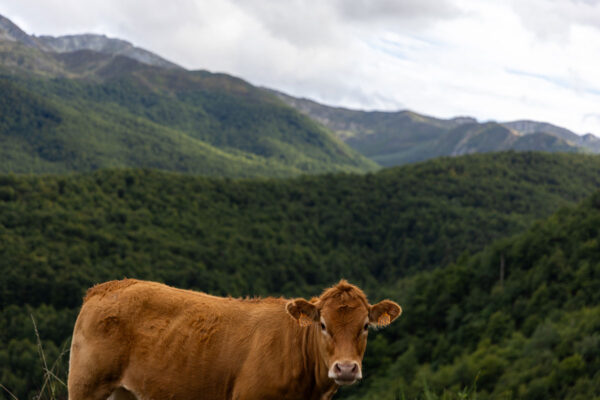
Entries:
{"x":188,"y":137}
{"x":352,"y":124}
{"x":588,"y":141}
{"x":11,"y":32}
{"x":395,"y":138}
{"x":60,"y":234}
{"x":528,"y":127}
{"x":90,"y":104}
{"x":103,"y":44}
{"x":63,"y":44}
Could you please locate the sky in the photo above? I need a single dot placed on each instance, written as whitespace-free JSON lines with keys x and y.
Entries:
{"x":491,"y":59}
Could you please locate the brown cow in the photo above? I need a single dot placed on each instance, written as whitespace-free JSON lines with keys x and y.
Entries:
{"x":145,"y":340}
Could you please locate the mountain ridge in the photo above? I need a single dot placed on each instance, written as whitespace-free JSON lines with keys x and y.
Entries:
{"x":400,"y":137}
{"x":528,"y":127}
{"x":87,"y":41}
{"x":85,"y":109}
{"x":386,"y":138}
{"x":104,"y":44}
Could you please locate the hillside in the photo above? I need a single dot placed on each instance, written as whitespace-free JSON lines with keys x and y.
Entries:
{"x":61,"y":234}
{"x":530,"y":332}
{"x":128,"y":107}
{"x":396,"y":138}
{"x":82,"y":110}
{"x":218,"y":125}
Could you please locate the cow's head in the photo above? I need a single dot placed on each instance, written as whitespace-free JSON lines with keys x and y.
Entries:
{"x":342,"y":316}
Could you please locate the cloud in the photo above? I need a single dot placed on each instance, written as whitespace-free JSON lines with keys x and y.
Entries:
{"x":399,"y":11}
{"x":526,"y":59}
{"x":554,"y":19}
{"x":591,"y":120}
{"x":322,"y":23}
{"x":294,"y":21}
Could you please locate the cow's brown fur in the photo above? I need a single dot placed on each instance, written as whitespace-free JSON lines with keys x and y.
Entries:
{"x":153,"y":341}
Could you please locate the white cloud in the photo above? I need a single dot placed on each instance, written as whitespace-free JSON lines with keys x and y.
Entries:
{"x":534,"y":59}
{"x":419,"y":12}
{"x":554,"y":19}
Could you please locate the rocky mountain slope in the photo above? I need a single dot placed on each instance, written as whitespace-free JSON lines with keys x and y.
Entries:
{"x":394,"y":138}
{"x":69,"y":43}
{"x":525,"y":127}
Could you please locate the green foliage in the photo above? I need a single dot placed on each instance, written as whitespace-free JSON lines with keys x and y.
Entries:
{"x":533,"y":336}
{"x":176,"y":120}
{"x":61,"y":234}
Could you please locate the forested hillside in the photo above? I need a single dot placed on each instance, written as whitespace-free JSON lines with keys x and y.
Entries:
{"x":530,"y":333}
{"x":84,"y":110}
{"x":61,"y":234}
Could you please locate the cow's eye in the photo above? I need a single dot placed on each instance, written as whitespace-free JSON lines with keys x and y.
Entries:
{"x":322,"y":326}
{"x":366,"y":328}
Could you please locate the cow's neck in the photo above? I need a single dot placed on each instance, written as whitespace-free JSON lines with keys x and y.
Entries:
{"x":316,"y":367}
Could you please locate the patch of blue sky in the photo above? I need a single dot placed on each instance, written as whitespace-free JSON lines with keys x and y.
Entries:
{"x":410,"y":41}
{"x":389,"y":50}
{"x":430,"y":42}
{"x":401,"y":47}
{"x":555,"y":80}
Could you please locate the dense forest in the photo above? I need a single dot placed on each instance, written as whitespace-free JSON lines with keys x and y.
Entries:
{"x":530,"y":334}
{"x":384,"y":231}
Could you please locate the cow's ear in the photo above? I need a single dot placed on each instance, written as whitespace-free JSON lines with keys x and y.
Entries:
{"x":303,"y":311}
{"x":384,"y":312}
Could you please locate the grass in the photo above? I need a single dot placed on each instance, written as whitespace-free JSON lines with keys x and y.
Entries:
{"x":51,"y":380}
{"x":467,"y":393}
{"x":52,"y":385}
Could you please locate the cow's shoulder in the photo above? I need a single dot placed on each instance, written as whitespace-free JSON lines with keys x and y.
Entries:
{"x":103,"y":289}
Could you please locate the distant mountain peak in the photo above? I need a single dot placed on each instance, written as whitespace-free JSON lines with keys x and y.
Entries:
{"x":590,"y":136}
{"x":528,"y":127}
{"x":88,"y":41}
{"x":463,"y":119}
{"x":103,"y":44}
{"x":394,"y":138}
{"x":10,"y":31}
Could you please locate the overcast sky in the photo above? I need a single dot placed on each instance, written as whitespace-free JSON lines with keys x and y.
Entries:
{"x":491,"y":59}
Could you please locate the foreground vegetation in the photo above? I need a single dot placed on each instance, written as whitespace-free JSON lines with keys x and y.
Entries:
{"x":61,"y":234}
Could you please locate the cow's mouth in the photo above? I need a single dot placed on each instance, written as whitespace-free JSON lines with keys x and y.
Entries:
{"x":343,"y":382}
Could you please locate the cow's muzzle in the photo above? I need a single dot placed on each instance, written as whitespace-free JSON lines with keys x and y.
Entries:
{"x":345,"y":372}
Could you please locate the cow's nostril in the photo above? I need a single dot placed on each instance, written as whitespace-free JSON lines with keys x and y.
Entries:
{"x":346,"y":368}
{"x":345,"y":373}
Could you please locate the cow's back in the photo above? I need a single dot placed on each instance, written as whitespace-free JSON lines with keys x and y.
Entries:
{"x":143,"y":334}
